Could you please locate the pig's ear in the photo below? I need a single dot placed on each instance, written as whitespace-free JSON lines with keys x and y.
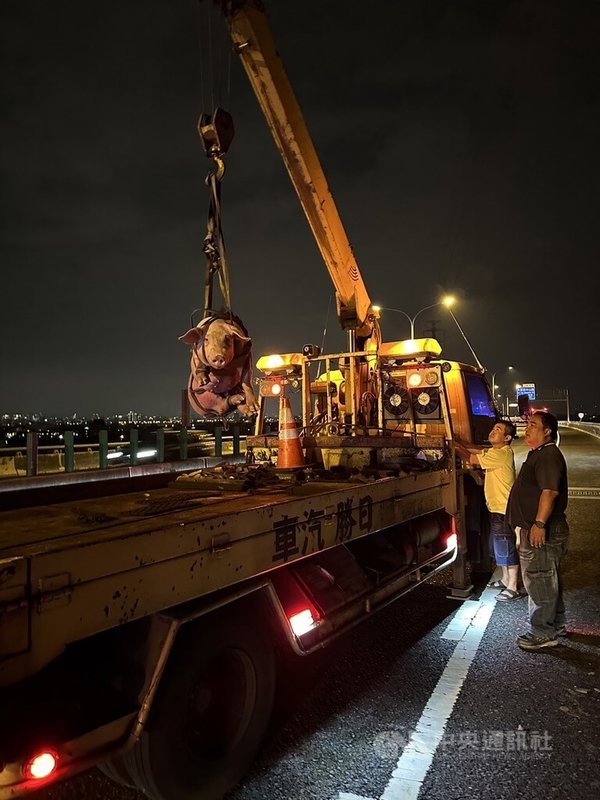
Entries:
{"x":237,"y":332}
{"x":205,"y":323}
{"x":196,"y":335}
{"x":193,"y":336}
{"x":242,"y":345}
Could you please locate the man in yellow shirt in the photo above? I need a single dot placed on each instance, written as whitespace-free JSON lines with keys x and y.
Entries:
{"x":499,"y":464}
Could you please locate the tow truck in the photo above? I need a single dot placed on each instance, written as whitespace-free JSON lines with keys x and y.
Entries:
{"x":143,"y":630}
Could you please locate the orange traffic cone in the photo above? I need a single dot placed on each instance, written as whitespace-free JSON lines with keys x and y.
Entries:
{"x":290,"y":451}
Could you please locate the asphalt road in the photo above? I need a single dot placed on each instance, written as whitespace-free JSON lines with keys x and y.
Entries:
{"x":523,"y":725}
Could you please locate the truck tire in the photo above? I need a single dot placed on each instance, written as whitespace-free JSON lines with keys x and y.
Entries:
{"x":210,"y":713}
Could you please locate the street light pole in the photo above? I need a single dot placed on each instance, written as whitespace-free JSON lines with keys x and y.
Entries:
{"x":412,"y":323}
{"x":464,"y":335}
{"x":447,"y":302}
{"x":494,"y":381}
{"x":411,"y":320}
{"x":398,"y":311}
{"x":517,"y":387}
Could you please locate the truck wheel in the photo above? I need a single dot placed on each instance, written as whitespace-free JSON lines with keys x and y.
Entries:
{"x":211,"y":711}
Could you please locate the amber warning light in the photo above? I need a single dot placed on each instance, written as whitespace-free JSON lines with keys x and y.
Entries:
{"x":271,"y":387}
{"x":42,"y":765}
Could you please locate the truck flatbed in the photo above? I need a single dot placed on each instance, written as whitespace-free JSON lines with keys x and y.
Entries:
{"x":74,"y":569}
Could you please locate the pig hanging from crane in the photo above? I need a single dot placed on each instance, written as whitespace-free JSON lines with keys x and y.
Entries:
{"x":221,"y":367}
{"x":221,"y":364}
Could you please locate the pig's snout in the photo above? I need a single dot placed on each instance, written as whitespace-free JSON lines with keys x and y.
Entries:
{"x":218,"y":348}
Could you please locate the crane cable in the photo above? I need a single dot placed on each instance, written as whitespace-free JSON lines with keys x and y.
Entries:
{"x":216,"y":55}
{"x":211,"y":52}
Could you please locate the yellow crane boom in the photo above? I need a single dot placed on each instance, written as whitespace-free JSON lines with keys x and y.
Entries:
{"x":254,"y":43}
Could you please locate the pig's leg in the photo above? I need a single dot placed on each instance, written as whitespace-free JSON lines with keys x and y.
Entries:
{"x":251,"y":406}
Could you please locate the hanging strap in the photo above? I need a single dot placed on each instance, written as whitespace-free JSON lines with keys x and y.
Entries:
{"x":214,"y":247}
{"x":216,"y":132}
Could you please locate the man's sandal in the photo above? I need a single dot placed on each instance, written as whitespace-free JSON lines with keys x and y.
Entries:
{"x":496,"y":585}
{"x":508,"y":594}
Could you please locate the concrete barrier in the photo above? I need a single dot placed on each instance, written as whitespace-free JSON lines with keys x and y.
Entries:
{"x":50,"y":462}
{"x":15,"y":466}
{"x":199,"y":443}
{"x":20,"y":460}
{"x":87,"y":460}
{"x":7,"y":467}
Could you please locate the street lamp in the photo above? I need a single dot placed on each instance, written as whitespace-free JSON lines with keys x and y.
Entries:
{"x":446,"y":301}
{"x":517,"y":387}
{"x":494,"y":387}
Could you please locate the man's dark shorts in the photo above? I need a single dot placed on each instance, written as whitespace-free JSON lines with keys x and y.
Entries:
{"x":505,"y":541}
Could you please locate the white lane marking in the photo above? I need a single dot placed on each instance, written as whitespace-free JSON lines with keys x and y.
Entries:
{"x":415,"y":761}
{"x":350,"y":796}
{"x":457,"y":627}
{"x":466,"y":628}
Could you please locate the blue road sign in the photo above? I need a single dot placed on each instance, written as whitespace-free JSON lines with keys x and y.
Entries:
{"x":526,"y":390}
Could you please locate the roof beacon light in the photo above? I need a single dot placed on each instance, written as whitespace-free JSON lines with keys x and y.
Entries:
{"x":280,"y":364}
{"x":302,"y":622}
{"x":410,"y":349}
{"x":41,"y":765}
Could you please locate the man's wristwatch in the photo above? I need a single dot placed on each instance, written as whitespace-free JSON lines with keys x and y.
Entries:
{"x":539,"y":524}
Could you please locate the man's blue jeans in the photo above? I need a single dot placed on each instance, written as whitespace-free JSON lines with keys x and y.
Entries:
{"x":542,"y":578}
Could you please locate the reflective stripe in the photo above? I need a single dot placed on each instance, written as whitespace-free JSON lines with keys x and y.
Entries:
{"x":292,"y":433}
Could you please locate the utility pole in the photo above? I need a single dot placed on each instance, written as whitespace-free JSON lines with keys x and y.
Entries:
{"x":433,"y":330}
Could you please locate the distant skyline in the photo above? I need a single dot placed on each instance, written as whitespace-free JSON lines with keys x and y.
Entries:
{"x":460,"y":142}
{"x":35,"y":415}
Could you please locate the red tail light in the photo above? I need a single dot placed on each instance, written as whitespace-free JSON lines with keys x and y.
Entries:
{"x":302,"y":622}
{"x":451,"y":542}
{"x":42,"y":765}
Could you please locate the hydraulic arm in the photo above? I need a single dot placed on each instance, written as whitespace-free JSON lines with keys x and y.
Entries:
{"x":254,"y":43}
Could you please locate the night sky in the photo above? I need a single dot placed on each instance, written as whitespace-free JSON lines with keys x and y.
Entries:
{"x":460,"y":140}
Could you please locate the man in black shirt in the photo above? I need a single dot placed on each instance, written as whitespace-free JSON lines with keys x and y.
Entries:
{"x":537,"y":505}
